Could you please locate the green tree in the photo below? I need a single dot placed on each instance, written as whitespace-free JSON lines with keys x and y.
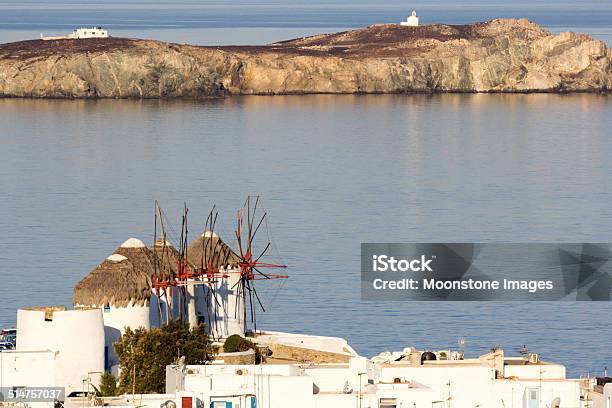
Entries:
{"x":108,"y":386}
{"x":144,"y":354}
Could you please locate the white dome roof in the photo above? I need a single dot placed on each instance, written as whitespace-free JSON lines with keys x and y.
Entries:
{"x":133,"y":243}
{"x":210,"y":234}
{"x":116,"y":258}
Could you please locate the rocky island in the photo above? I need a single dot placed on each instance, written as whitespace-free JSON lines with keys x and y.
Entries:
{"x":503,"y":55}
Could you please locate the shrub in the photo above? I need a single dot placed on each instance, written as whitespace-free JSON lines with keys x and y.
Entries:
{"x":235,"y":343}
{"x":144,"y":354}
{"x":232,"y":344}
{"x":246,"y":345}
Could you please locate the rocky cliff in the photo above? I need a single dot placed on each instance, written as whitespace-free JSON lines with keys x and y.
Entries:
{"x":497,"y":56}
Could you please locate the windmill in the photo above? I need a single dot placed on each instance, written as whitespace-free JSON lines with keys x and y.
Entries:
{"x":171,"y":277}
{"x":250,"y":264}
{"x":211,"y":259}
{"x":226,"y":277}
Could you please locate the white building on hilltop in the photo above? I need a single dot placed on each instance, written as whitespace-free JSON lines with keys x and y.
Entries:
{"x":412,"y":20}
{"x":92,"y":32}
{"x":80,"y":33}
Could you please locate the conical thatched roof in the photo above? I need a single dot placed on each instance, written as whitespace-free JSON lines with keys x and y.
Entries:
{"x":123,"y":277}
{"x":167,"y":257}
{"x":209,"y":247}
{"x":139,"y":255}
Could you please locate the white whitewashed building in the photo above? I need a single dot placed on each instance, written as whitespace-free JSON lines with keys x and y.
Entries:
{"x":600,"y":392}
{"x":56,"y":347}
{"x":412,"y":20}
{"x":79,"y":33}
{"x":333,"y":375}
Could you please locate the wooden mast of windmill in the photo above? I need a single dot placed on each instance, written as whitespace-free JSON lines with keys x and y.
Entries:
{"x":163,"y":273}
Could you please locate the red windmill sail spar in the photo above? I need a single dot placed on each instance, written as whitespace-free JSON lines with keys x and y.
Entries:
{"x":248,"y":266}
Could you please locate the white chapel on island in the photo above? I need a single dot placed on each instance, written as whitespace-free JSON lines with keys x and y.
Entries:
{"x":412,"y":20}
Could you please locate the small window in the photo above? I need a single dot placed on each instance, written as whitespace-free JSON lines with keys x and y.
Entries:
{"x":387,"y":403}
{"x":221,"y":404}
{"x":107,"y":308}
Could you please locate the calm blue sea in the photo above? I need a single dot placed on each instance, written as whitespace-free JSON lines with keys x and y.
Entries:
{"x":79,"y":177}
